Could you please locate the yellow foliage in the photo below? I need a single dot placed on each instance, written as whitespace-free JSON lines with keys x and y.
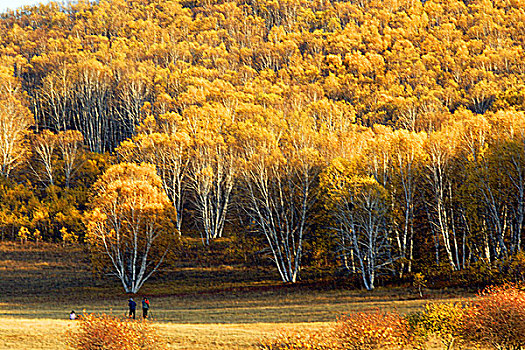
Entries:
{"x":36,"y":235}
{"x":128,"y":208}
{"x":286,"y":86}
{"x":444,"y":320}
{"x":68,"y":237}
{"x":23,"y":234}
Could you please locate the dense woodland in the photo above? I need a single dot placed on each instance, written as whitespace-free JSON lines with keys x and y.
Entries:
{"x":376,"y":137}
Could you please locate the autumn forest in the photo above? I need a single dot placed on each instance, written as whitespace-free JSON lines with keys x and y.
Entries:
{"x":380,"y":138}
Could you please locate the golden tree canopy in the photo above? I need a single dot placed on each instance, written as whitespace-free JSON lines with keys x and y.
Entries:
{"x":129,"y":223}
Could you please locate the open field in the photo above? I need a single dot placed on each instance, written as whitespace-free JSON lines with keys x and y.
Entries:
{"x":195,"y":308}
{"x":33,"y":334}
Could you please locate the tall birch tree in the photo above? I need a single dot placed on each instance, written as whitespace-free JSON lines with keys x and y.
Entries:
{"x":279,"y":185}
{"x":128,"y":224}
{"x":407,"y":154}
{"x":439,"y":210}
{"x":360,"y":208}
{"x":15,"y":120}
{"x":165,"y":144}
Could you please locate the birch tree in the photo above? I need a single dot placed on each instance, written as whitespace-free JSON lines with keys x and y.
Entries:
{"x":133,"y":90}
{"x":56,"y":155}
{"x":44,"y":145}
{"x":407,"y":150}
{"x":128,"y":224}
{"x":211,"y":179}
{"x":15,"y":120}
{"x":279,"y":179}
{"x":91,"y":104}
{"x":360,"y":208}
{"x":474,"y":136}
{"x":165,"y":144}
{"x":70,"y":145}
{"x":55,"y":100}
{"x":212,"y":167}
{"x":439,"y":152}
{"x":508,"y":151}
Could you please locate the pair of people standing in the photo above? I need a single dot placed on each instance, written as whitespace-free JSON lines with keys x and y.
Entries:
{"x":133,"y":307}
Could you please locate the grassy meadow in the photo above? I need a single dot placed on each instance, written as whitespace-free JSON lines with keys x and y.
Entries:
{"x":194,"y":308}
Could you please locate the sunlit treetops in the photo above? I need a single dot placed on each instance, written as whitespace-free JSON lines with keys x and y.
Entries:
{"x":101,"y":67}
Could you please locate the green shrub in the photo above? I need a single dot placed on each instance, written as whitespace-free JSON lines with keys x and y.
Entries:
{"x":443,"y":320}
{"x":417,"y":331}
{"x":111,"y":333}
{"x":495,"y":319}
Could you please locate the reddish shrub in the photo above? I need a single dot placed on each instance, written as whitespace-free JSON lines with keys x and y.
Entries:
{"x":111,"y":333}
{"x":497,"y":318}
{"x":359,"y":331}
{"x":376,"y":330}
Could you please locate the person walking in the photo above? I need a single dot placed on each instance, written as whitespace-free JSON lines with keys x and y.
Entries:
{"x":145,"y":307}
{"x":132,"y":307}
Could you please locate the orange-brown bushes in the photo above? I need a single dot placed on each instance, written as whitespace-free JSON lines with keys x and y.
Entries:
{"x":112,"y":333}
{"x":358,"y":331}
{"x":374,"y":330}
{"x":497,"y":318}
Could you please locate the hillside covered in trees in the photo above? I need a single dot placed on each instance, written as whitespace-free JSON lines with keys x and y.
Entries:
{"x":382,"y":137}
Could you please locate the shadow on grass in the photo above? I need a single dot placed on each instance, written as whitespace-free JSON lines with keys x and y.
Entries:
{"x":56,"y":284}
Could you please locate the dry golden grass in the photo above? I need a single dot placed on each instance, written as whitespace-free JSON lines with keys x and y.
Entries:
{"x":47,"y":334}
{"x":194,"y":308}
{"x":225,"y":336}
{"x":39,"y":334}
{"x":32,"y":334}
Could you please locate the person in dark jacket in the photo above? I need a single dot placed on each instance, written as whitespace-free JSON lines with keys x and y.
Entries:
{"x":145,"y":307}
{"x":132,"y":307}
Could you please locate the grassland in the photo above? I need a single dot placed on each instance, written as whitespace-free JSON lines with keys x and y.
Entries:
{"x":194,"y":308}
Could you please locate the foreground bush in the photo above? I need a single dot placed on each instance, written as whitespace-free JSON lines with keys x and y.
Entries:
{"x":376,"y":330}
{"x":497,"y":318}
{"x":359,"y":331}
{"x":111,"y":333}
{"x":444,"y":321}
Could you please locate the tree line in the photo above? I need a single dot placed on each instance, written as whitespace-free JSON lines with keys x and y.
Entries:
{"x":391,"y":133}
